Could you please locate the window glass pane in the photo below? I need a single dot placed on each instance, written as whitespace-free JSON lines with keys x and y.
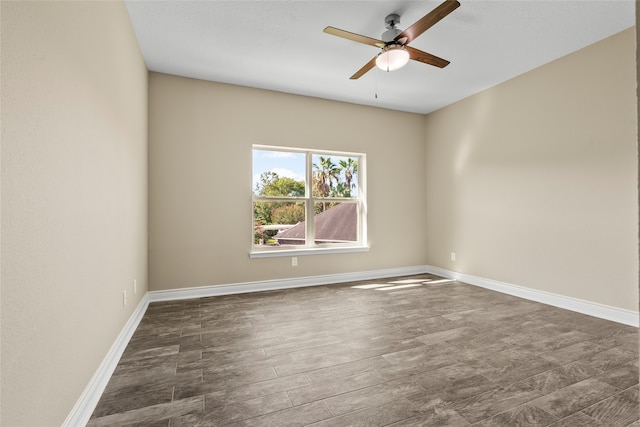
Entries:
{"x":335,"y":176}
{"x":278,"y":173}
{"x":336,"y":222}
{"x":279,"y":223}
{"x":292,"y":186}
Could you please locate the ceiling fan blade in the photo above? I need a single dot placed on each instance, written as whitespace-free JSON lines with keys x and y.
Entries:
{"x":368,"y":66}
{"x":354,"y":37}
{"x":426,"y":58}
{"x":429,"y":20}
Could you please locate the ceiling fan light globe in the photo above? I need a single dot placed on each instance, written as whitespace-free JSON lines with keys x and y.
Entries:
{"x":392,"y":58}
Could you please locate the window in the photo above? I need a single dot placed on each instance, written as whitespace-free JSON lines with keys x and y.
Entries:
{"x":307,"y":201}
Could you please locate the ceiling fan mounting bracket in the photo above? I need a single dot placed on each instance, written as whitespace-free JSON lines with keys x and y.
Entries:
{"x":392,"y":32}
{"x":392,"y":20}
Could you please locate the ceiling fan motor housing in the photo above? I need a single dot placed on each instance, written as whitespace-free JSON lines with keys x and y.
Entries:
{"x":392,"y":32}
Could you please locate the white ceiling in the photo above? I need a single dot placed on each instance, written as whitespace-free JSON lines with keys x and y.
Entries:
{"x":280,"y":45}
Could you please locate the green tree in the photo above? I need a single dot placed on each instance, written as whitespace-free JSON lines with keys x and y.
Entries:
{"x":259,"y":235}
{"x":290,"y":213}
{"x":272,"y":185}
{"x":340,"y":190}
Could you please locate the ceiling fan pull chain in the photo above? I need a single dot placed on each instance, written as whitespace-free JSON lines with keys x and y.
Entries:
{"x":376,"y":86}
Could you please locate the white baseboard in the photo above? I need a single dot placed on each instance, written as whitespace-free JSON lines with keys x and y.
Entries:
{"x":619,"y":315}
{"x":601,"y":311}
{"x":81,"y":412}
{"x":269,"y":285}
{"x":84,"y":407}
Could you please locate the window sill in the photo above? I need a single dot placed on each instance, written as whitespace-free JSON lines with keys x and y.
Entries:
{"x":307,"y":251}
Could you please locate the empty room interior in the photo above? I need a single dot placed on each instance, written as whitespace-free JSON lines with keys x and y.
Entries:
{"x":492,"y":276}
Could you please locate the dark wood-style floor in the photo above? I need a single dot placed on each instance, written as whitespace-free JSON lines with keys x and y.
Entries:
{"x":408,"y":351}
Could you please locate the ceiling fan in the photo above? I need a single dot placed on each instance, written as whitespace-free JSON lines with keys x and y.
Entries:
{"x":394,"y":52}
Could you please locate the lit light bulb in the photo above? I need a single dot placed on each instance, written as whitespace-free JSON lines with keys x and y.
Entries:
{"x":392,"y":57}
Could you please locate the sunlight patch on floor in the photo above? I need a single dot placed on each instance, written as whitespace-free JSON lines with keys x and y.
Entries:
{"x":392,"y":288}
{"x":372,"y":286}
{"x":401,"y":282}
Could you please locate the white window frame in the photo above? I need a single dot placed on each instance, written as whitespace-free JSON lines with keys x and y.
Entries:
{"x":311,"y":247}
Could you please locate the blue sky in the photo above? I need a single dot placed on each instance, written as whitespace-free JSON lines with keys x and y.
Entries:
{"x":284,"y":163}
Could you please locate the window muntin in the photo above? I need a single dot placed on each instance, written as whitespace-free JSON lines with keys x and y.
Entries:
{"x":293,"y":185}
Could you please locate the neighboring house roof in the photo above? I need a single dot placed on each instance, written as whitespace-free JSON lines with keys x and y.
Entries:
{"x":336,"y":224}
{"x":277,"y":227}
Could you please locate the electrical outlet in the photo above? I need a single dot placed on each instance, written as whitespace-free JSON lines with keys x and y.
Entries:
{"x":294,"y":261}
{"x":124,"y":298}
{"x":453,"y":256}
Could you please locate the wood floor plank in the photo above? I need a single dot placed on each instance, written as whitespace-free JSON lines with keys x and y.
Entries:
{"x":619,"y":409}
{"x":441,"y":353}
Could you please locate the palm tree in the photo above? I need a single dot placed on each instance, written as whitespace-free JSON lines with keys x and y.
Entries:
{"x":324,"y":176}
{"x":350,"y":168}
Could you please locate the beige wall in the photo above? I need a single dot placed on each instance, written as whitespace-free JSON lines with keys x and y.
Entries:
{"x":534,"y":182}
{"x":200,"y":138}
{"x":74,"y":198}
